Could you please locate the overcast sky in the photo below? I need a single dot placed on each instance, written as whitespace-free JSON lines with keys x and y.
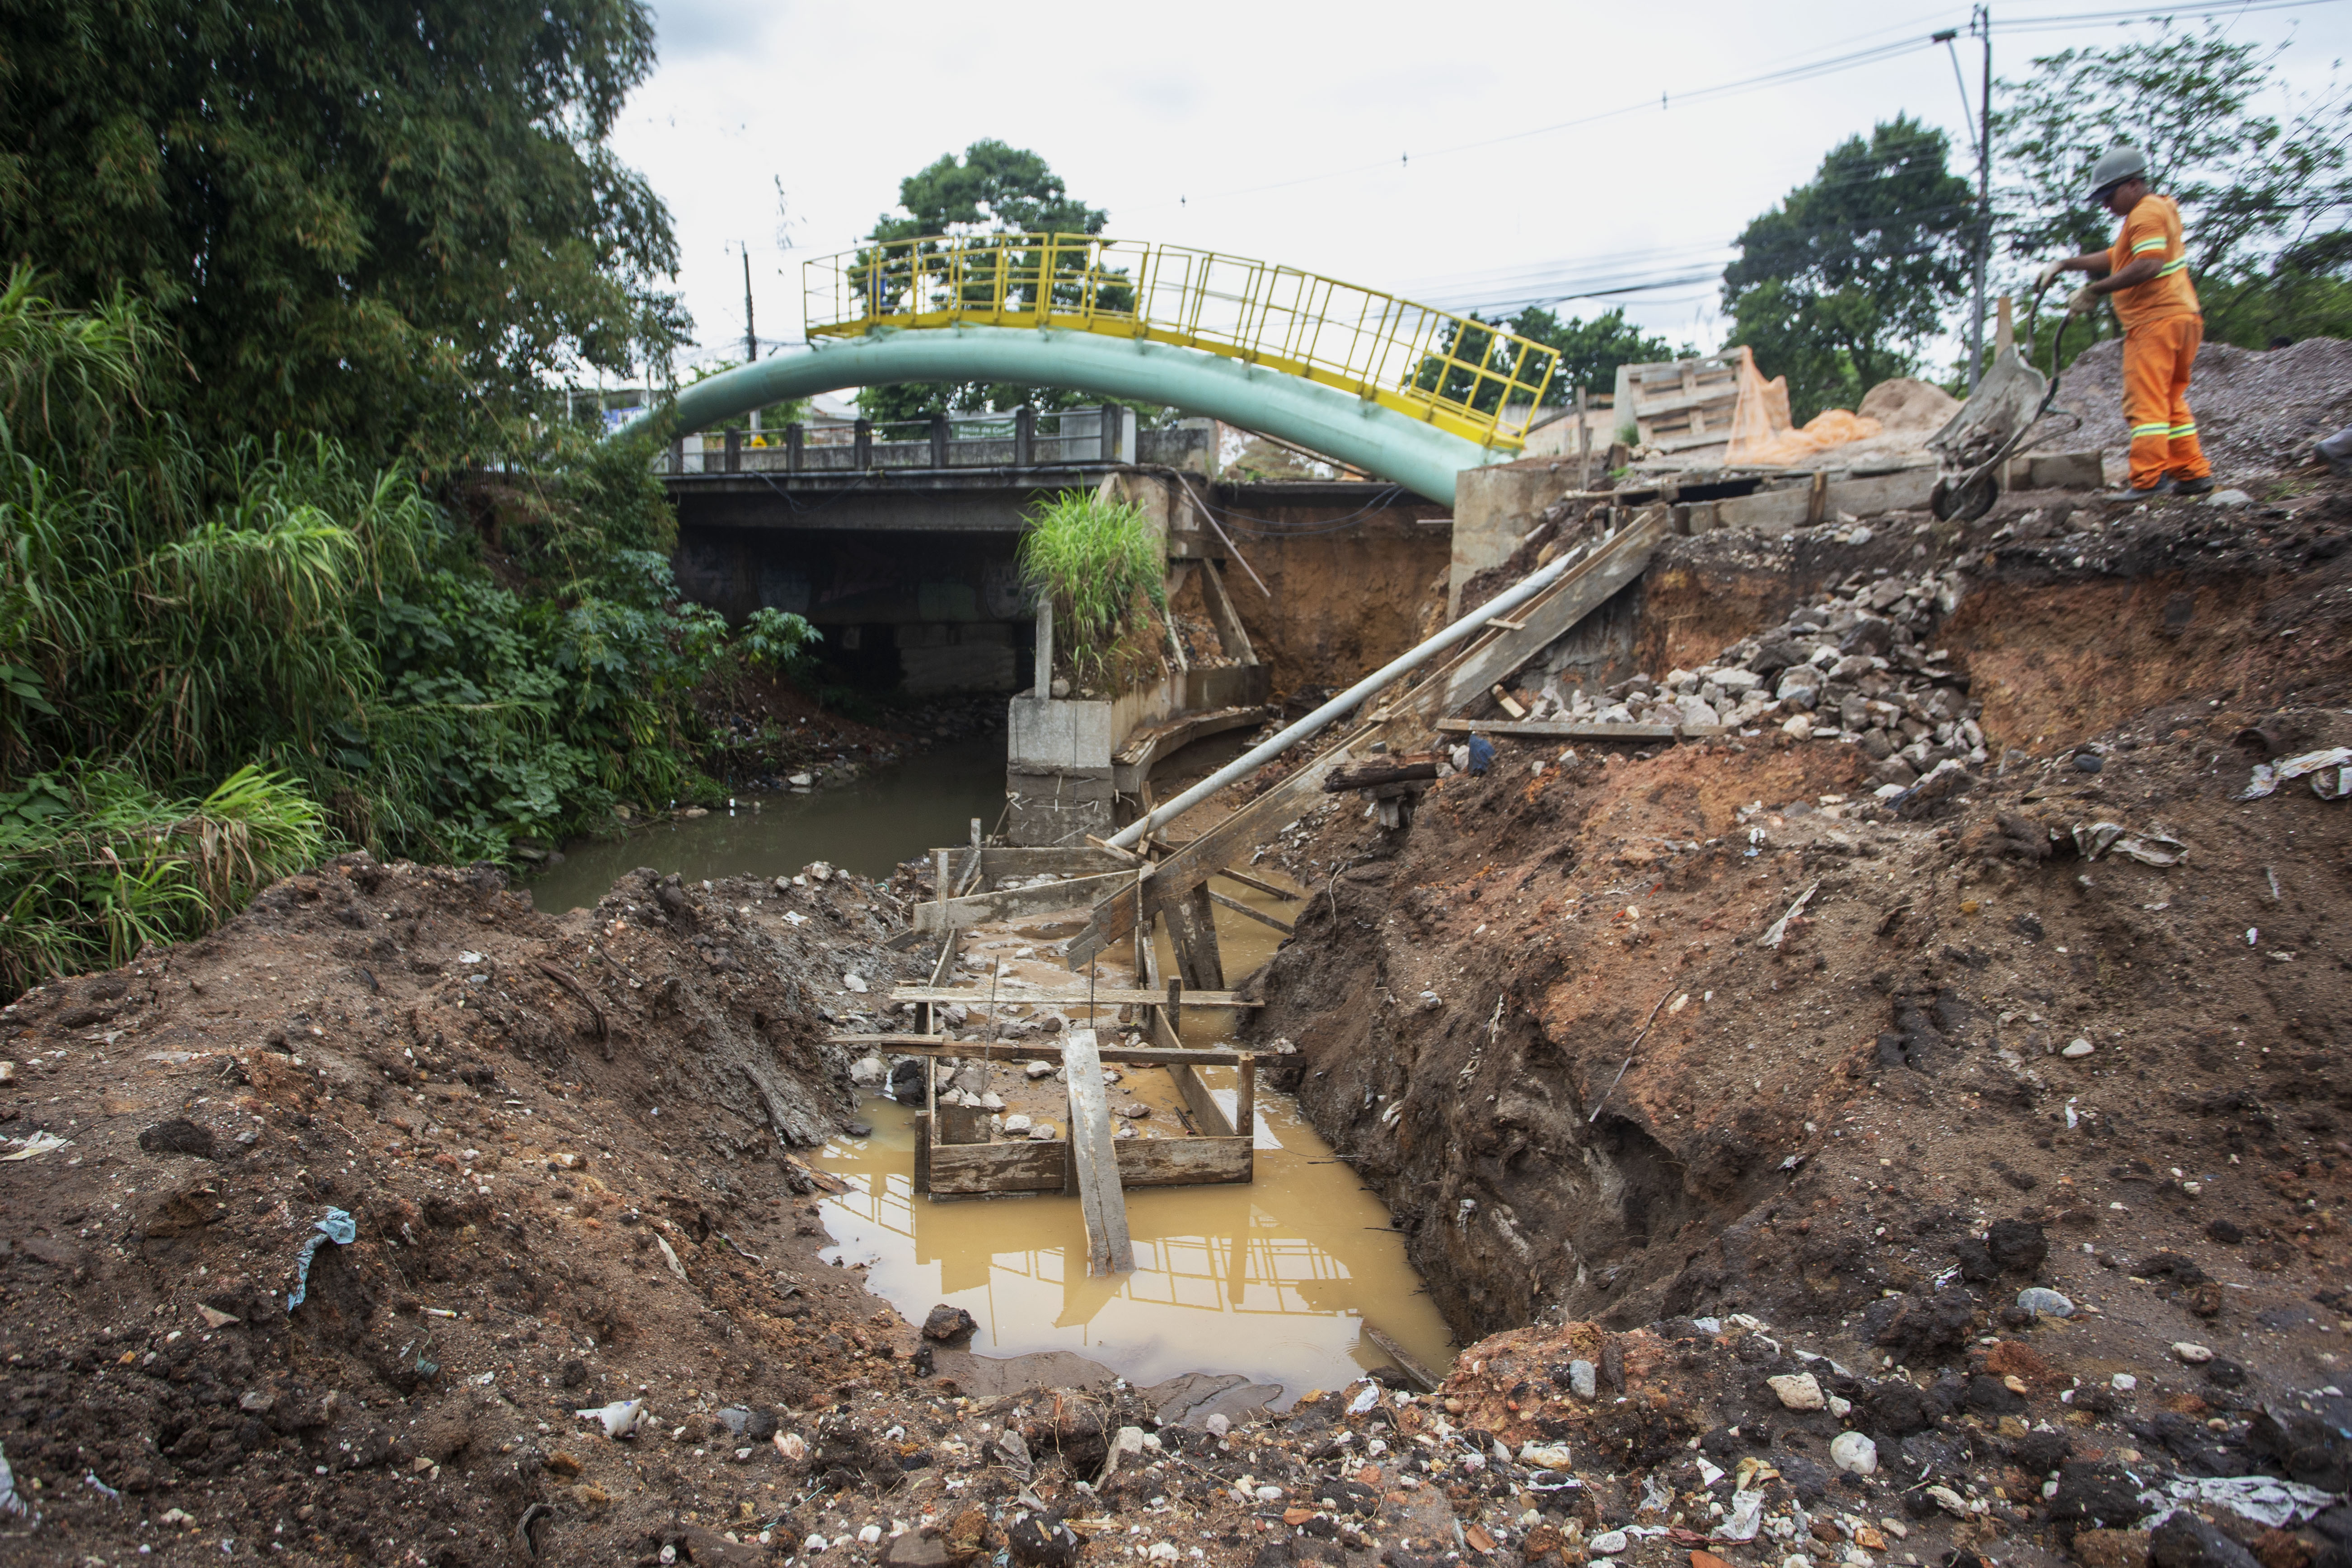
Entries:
{"x":1326,"y":137}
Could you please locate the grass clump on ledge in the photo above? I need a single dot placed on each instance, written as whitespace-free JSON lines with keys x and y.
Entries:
{"x":96,"y":865}
{"x":1099,"y":563}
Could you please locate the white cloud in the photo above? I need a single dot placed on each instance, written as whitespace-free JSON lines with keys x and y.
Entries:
{"x":1314,"y":135}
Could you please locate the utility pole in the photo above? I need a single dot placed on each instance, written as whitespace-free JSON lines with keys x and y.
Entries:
{"x":1980,"y":23}
{"x":751,"y":330}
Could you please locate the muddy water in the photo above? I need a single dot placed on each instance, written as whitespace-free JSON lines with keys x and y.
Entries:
{"x":868,"y":826}
{"x":1275,"y":1280}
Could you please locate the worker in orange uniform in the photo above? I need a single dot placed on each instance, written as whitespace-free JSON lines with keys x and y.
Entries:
{"x":2146,"y":274}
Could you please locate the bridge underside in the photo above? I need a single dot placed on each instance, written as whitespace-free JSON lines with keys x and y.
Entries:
{"x":913,"y":577}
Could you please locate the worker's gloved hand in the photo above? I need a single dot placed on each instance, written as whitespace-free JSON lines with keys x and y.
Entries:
{"x":2082,"y":301}
{"x":2049,"y":275}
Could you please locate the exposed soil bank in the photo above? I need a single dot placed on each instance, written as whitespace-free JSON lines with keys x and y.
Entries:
{"x":558,"y":1142}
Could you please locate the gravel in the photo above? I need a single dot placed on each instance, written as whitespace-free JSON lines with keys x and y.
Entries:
{"x":2257,"y":411}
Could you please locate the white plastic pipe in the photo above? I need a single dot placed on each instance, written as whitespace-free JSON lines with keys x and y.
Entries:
{"x":1266,"y":750}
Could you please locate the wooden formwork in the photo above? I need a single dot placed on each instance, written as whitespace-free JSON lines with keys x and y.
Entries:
{"x":953,"y":1158}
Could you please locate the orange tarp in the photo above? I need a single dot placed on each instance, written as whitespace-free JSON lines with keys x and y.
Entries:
{"x":1763,"y":434}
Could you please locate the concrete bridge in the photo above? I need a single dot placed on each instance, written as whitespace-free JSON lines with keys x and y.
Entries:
{"x":900,"y":541}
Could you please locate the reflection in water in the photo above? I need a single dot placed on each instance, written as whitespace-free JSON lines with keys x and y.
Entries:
{"x":1273,"y":1280}
{"x":891,"y":815}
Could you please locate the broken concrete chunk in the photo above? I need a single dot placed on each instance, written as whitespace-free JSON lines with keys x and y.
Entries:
{"x":1799,"y":1391}
{"x":1854,"y":1454}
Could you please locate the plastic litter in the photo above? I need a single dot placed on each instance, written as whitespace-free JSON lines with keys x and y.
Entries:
{"x":2260,"y":1497}
{"x":2112,"y":837}
{"x":1744,"y":1517}
{"x":10,"y":1503}
{"x":1482,"y":755}
{"x":1368,"y":1397}
{"x":620,"y":1418}
{"x":38,"y":1144}
{"x":1546,"y":1456}
{"x":89,"y":1478}
{"x":2268,"y":776}
{"x":337,"y":1228}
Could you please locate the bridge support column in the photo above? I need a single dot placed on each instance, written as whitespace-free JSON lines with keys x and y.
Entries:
{"x":939,"y":440}
{"x":795,"y":448}
{"x":1024,"y":437}
{"x":734,"y":451}
{"x":863,"y":435}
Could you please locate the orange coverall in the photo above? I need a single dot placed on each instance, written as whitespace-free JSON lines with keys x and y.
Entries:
{"x":2163,"y":324}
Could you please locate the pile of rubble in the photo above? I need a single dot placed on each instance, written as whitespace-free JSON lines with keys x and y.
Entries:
{"x":1850,"y":667}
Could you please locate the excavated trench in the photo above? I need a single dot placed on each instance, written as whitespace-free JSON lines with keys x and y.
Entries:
{"x":1542,"y":1022}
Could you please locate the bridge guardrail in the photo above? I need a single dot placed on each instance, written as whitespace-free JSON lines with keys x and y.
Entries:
{"x":1470,"y":379}
{"x":1022,"y":438}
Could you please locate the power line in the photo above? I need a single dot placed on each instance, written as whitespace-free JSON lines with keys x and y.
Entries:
{"x":1784,"y":76}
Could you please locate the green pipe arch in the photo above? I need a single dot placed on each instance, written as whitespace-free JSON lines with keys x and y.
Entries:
{"x":1357,"y":431}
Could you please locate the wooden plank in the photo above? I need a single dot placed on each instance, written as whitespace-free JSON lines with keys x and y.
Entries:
{"x":1204,"y":857}
{"x":1230,"y":630}
{"x":1184,"y":1162}
{"x":979,"y":907}
{"x":1420,"y":1377}
{"x":922,"y":1151}
{"x":970,"y":1169}
{"x":1095,"y":1159}
{"x":1102,"y":996}
{"x":1487,"y":659}
{"x":1207,"y":1114}
{"x":1245,"y":1101}
{"x":1193,"y":935}
{"x":1131,"y":765}
{"x":997,"y":862}
{"x":1588,"y":584}
{"x":1382,"y":769}
{"x":1286,"y":895}
{"x":1251,"y":910}
{"x":1025,"y":1051}
{"x":1579,"y":730}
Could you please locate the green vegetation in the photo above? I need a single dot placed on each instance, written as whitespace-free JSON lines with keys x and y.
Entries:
{"x":1589,"y":351}
{"x":96,"y":865}
{"x":383,"y":223}
{"x":2260,"y":194}
{"x":777,"y":640}
{"x":1840,"y":285}
{"x":1097,"y":561}
{"x":173,"y":614}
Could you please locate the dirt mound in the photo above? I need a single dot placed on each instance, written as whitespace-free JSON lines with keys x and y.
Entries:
{"x":1905,"y":405}
{"x":2257,"y":411}
{"x":540,"y":1165}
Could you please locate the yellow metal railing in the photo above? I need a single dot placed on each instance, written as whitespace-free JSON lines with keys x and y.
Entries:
{"x":1462,"y":375}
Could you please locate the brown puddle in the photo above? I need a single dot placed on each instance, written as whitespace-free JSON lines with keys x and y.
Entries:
{"x":1274,"y":1280}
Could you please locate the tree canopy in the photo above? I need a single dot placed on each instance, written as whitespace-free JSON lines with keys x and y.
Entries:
{"x":386,"y":223}
{"x":1840,"y":285}
{"x":2261,"y":195}
{"x":993,"y":188}
{"x":1589,"y":351}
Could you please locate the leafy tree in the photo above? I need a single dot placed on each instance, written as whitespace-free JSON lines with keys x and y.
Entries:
{"x":1589,"y":351}
{"x":385,"y":223}
{"x":2257,"y":193}
{"x":991,"y":189}
{"x":1838,"y":286}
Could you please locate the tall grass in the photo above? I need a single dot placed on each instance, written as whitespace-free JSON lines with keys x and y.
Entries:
{"x":95,"y":865}
{"x":1093,"y":557}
